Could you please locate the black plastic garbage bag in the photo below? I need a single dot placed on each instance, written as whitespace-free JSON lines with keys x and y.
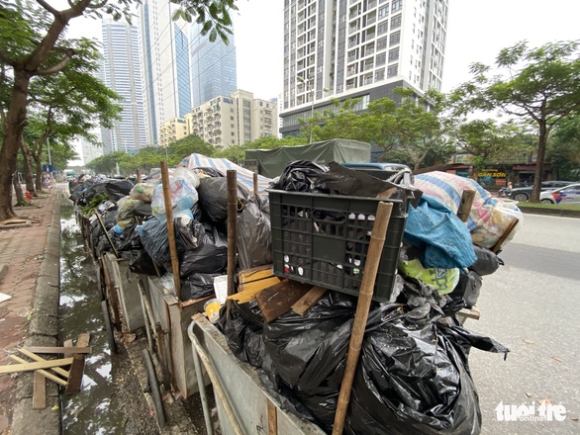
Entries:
{"x":212,"y":172}
{"x":301,"y":176}
{"x":189,"y":233}
{"x":140,"y":262}
{"x":154,"y":238}
{"x":92,"y":191}
{"x":129,"y":240}
{"x":197,"y":286}
{"x":213,"y":198}
{"x":254,"y":237}
{"x":468,"y":288}
{"x":211,"y":256}
{"x":487,"y":262}
{"x":416,"y":380}
{"x":118,"y":189}
{"x":243,"y":331}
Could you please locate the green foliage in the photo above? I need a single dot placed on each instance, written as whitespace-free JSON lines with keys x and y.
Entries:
{"x":489,"y":141}
{"x":213,"y":15}
{"x":186,"y":146}
{"x":564,"y":151}
{"x":539,"y":85}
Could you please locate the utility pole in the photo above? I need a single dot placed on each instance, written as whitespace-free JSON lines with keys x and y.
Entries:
{"x":48,"y":146}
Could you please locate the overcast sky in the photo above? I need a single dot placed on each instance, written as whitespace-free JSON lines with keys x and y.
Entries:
{"x":477,"y":30}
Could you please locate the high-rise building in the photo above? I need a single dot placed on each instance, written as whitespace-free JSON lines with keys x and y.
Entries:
{"x":213,"y":66}
{"x":358,"y":49}
{"x":164,"y":51}
{"x":121,"y":72}
{"x":231,"y":120}
{"x":90,"y":151}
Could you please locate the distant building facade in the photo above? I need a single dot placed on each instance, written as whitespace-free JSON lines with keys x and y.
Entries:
{"x":227,"y":121}
{"x":90,"y":151}
{"x":358,"y":49}
{"x":213,"y":66}
{"x":121,"y":72}
{"x":164,"y":51}
{"x":172,"y":130}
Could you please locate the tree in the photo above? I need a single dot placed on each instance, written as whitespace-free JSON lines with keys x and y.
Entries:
{"x":30,"y":47}
{"x":186,"y":146}
{"x":564,"y":151}
{"x":539,"y":85}
{"x":487,"y":141}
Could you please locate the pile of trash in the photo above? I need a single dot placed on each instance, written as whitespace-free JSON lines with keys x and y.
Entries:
{"x":134,"y":219}
{"x":413,"y":371}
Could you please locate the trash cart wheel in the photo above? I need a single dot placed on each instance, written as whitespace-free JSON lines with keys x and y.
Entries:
{"x":153,"y":387}
{"x":108,"y":327}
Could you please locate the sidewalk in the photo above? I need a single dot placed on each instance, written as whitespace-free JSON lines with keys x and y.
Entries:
{"x":30,"y":257}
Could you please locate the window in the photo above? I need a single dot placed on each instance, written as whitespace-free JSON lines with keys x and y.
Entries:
{"x":380,"y":75}
{"x":381,"y":44}
{"x":396,"y":6}
{"x":381,"y":59}
{"x":393,"y":70}
{"x":382,"y":28}
{"x":394,"y":54}
{"x":231,"y":117}
{"x":396,"y":22}
{"x":383,"y":11}
{"x":395,"y":38}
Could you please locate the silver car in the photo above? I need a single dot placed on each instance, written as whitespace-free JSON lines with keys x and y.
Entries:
{"x":564,"y":195}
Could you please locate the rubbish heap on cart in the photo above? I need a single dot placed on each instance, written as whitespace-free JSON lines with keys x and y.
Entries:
{"x":301,"y":242}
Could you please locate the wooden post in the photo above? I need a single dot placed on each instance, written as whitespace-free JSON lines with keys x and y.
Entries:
{"x":232,"y":223}
{"x":106,"y":234}
{"x":505,"y":235}
{"x":465,"y":205}
{"x":255,"y":183}
{"x":170,"y":229}
{"x":377,"y":242}
{"x":272,"y":418}
{"x":138,"y":176}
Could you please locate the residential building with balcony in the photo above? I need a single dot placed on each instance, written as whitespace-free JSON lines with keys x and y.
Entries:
{"x":172,"y":130}
{"x":363,"y":49}
{"x":227,"y":121}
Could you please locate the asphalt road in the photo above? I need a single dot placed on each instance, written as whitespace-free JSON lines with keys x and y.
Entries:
{"x":532,"y":306}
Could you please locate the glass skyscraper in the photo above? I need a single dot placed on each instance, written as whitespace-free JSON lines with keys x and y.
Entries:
{"x":121,"y":72}
{"x":164,"y":50}
{"x":213,"y":66}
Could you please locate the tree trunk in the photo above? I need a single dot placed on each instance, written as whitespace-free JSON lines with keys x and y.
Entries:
{"x":28,"y":169}
{"x":38,"y":179}
{"x":13,"y":127}
{"x":18,"y":189}
{"x":542,"y":141}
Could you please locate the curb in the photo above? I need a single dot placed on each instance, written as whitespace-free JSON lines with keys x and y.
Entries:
{"x":42,"y":331}
{"x":550,"y":212}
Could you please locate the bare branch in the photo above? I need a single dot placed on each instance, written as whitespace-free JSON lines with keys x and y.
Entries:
{"x":59,"y":66}
{"x":48,"y":7}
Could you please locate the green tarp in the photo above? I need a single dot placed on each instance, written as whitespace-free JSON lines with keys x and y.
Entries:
{"x":271,"y":163}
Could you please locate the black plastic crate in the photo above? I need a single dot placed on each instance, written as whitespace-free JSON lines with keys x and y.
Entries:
{"x":323,"y":240}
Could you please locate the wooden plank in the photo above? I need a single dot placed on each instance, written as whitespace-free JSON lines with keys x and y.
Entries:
{"x":308,"y":300}
{"x":278,"y":299}
{"x":68,"y":343}
{"x":465,"y":204}
{"x":247,"y":292}
{"x":272,"y":418}
{"x":472,"y":313}
{"x":255,"y":274}
{"x":42,"y":349}
{"x":505,"y":235}
{"x":44,"y":373}
{"x":29,"y":367}
{"x":37,"y":358}
{"x":39,"y":391}
{"x":78,"y":366}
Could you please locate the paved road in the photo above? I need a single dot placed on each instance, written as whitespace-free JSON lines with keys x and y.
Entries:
{"x":535,"y":297}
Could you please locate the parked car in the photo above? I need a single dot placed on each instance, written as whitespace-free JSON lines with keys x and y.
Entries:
{"x":524,"y":193}
{"x":564,"y":195}
{"x":377,"y":166}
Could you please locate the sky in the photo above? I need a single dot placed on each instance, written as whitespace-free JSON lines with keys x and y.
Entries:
{"x":477,"y":31}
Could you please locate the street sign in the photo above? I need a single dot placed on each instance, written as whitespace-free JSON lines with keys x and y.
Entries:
{"x":46,"y":168}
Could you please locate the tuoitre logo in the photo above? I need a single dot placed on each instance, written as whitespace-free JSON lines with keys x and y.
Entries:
{"x":544,"y":412}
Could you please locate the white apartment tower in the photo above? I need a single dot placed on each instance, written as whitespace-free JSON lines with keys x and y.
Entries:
{"x":339,"y":49}
{"x":166,"y":66}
